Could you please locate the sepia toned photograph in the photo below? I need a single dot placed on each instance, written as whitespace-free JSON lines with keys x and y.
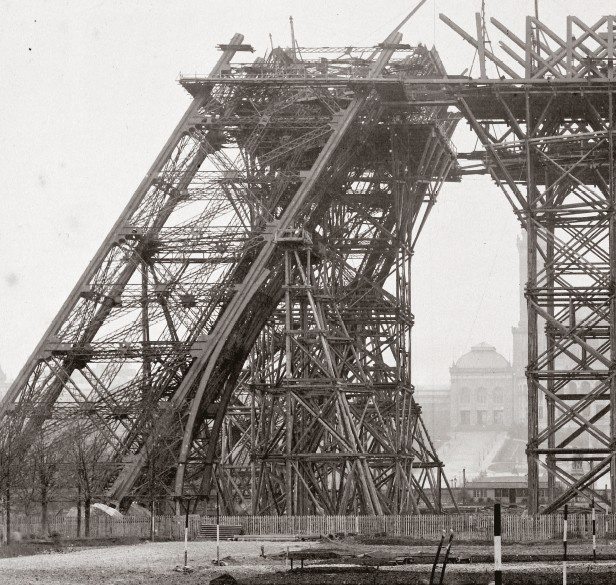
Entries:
{"x":308,"y":292}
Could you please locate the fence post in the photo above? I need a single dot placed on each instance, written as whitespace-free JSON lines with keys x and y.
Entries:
{"x":217,"y":529}
{"x":498,"y":568}
{"x":565,"y":546}
{"x":186,"y":539}
{"x":594,"y":532}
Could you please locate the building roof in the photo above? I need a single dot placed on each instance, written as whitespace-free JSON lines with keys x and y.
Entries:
{"x":482,"y":357}
{"x":436,"y":390}
{"x":433,"y":395}
{"x":502,"y":481}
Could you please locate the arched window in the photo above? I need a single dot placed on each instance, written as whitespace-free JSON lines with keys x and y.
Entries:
{"x":498,"y":395}
{"x":465,"y":395}
{"x":480,"y":395}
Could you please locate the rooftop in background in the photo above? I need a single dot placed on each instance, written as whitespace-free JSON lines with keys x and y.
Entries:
{"x":483,"y":356}
{"x":510,"y":481}
{"x":433,"y":390}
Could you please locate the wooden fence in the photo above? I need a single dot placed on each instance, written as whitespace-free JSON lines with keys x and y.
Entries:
{"x":165,"y":527}
{"x":476,"y":527}
{"x":467,"y":527}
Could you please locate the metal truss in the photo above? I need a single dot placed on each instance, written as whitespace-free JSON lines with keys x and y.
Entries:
{"x":324,"y":420}
{"x":246,"y":323}
{"x":546,"y":124}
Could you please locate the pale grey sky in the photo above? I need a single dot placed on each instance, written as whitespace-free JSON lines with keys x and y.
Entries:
{"x":89,"y":95}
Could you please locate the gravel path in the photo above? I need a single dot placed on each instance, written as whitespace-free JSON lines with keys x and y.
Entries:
{"x":141,"y":563}
{"x":154,"y":563}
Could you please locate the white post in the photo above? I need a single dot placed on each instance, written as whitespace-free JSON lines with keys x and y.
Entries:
{"x":218,"y":544}
{"x":217,"y":530}
{"x":594,"y":533}
{"x":186,"y":539}
{"x":565,"y":546}
{"x":498,"y":565}
{"x":152,"y":523}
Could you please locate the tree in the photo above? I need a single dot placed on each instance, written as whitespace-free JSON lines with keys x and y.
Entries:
{"x":87,"y":448}
{"x":46,"y":458}
{"x":6,"y":478}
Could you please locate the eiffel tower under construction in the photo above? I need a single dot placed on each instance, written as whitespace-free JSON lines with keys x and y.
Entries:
{"x":245,"y":328}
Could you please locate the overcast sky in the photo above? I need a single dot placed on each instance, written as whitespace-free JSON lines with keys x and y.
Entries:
{"x":89,"y":95}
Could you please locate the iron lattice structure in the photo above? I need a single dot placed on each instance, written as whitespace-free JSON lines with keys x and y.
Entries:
{"x":246,"y":323}
{"x":248,"y":318}
{"x":546,"y":123}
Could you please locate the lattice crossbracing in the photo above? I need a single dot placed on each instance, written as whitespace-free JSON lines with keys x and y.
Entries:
{"x":324,"y":411}
{"x":547,"y":130}
{"x":246,"y":323}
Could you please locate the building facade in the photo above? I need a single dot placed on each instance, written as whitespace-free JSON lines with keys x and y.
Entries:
{"x":435,"y":405}
{"x":506,"y":489}
{"x":482,"y":390}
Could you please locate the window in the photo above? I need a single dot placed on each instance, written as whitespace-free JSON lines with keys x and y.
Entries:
{"x":482,"y":418}
{"x":465,"y":395}
{"x":498,"y":417}
{"x":465,"y":417}
{"x":480,"y":395}
{"x":498,"y":395}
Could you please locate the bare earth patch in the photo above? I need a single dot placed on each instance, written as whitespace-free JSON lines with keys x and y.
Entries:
{"x":154,"y":563}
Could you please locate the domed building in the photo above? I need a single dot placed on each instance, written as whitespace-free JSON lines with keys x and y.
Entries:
{"x":482,"y":393}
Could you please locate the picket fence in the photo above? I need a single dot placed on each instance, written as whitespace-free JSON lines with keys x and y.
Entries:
{"x":477,"y":527}
{"x":467,"y":527}
{"x":165,"y":527}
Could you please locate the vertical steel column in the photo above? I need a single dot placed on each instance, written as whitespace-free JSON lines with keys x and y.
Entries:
{"x":145,"y":326}
{"x":550,"y":337}
{"x":253,"y":461}
{"x":533,"y":386}
{"x":288,"y":376}
{"x":612,"y":317}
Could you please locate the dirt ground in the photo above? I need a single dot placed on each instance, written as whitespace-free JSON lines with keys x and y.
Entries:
{"x":140,"y":564}
{"x":154,"y":563}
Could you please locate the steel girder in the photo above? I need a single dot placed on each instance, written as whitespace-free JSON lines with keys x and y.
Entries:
{"x":226,"y":296}
{"x":324,"y":420}
{"x":151,"y":353}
